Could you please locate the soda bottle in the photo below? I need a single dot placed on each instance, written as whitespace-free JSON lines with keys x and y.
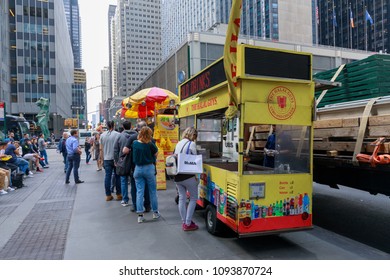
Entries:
{"x":264,"y":212}
{"x":270,"y":210}
{"x":300,"y":202}
{"x":306,"y":203}
{"x":257,"y":211}
{"x":253,"y":209}
{"x":292,"y":206}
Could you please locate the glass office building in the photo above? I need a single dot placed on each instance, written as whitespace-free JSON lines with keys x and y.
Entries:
{"x":41,"y":59}
{"x":73,"y":20}
{"x":4,"y":53}
{"x":275,"y":20}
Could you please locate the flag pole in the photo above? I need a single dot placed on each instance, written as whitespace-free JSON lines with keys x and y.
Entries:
{"x":317,"y":21}
{"x":334,"y":27}
{"x":348,"y":17}
{"x":351,"y":28}
{"x":365,"y":25}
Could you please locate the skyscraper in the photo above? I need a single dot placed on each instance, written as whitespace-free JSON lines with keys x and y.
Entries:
{"x":277,"y":20}
{"x":41,"y":59}
{"x":73,"y":20}
{"x":137,"y":42}
{"x":111,"y":48}
{"x":4,"y":53}
{"x":354,"y":24}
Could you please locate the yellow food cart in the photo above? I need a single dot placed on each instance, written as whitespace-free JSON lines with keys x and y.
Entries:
{"x":275,"y":95}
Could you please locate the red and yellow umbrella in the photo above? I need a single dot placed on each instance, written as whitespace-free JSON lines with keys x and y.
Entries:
{"x":142,"y":104}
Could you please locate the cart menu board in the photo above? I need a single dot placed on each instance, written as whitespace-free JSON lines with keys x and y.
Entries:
{"x":166,"y":136}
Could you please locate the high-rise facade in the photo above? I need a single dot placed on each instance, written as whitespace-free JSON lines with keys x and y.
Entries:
{"x":4,"y":53}
{"x":111,"y":48}
{"x":137,"y":42}
{"x":41,"y":58}
{"x":277,"y":20}
{"x":79,"y":92}
{"x":355,"y":24}
{"x":73,"y":19}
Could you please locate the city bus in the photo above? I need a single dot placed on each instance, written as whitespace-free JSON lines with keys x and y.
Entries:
{"x":275,"y":90}
{"x":18,"y":125}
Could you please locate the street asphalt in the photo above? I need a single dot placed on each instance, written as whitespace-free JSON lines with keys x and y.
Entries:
{"x":50,"y":220}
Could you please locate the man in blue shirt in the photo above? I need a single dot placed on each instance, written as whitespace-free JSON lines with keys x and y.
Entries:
{"x":74,"y":155}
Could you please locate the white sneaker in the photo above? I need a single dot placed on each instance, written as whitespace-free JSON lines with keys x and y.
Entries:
{"x":124,"y":203}
{"x":141,"y":219}
{"x":156,"y":215}
{"x":30,"y":173}
{"x":30,"y":176}
{"x":3,"y":192}
{"x":10,"y":189}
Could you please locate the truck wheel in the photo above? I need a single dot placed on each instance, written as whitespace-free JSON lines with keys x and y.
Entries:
{"x":212,"y":223}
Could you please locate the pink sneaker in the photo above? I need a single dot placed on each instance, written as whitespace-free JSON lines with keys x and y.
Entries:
{"x":191,"y":227}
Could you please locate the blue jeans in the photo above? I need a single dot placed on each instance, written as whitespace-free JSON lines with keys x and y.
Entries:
{"x":145,"y":174}
{"x":109,"y":168}
{"x":133,"y":191}
{"x":44,"y":155}
{"x":88,"y":156}
{"x":74,"y":163}
{"x":65,"y":156}
{"x":22,"y":164}
{"x":125,"y":188}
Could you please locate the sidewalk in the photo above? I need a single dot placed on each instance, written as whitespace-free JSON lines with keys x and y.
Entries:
{"x":52,"y":220}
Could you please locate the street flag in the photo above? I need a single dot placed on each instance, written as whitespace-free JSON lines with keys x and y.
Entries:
{"x":317,"y":15}
{"x":369,"y":18}
{"x":351,"y":17}
{"x":334,"y":19}
{"x":230,"y":57}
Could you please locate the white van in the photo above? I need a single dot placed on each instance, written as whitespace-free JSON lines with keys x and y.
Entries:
{"x":83,"y":133}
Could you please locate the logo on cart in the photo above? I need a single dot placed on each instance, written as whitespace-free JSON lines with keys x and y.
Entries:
{"x":281,"y":103}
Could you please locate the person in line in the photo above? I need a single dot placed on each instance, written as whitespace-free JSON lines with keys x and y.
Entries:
{"x":74,"y":156}
{"x":87,"y":148}
{"x":96,"y":151}
{"x":42,"y":147}
{"x":133,"y":190}
{"x":107,"y":141}
{"x":187,"y":182}
{"x":62,"y":149}
{"x":118,"y":152}
{"x":144,"y":158}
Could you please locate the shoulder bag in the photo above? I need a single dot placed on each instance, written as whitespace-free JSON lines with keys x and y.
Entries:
{"x":188,"y":163}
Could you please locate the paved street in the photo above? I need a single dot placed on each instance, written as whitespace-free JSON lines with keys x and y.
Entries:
{"x":51,"y":220}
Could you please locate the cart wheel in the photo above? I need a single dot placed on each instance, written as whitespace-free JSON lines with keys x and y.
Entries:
{"x":212,"y":224}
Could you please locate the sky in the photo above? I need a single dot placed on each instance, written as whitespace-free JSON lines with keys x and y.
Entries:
{"x":94,"y":38}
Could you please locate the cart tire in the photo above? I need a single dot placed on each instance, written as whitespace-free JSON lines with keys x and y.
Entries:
{"x":212,"y":223}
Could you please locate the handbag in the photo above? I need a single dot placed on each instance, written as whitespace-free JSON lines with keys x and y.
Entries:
{"x":171,"y":163}
{"x":123,"y":165}
{"x":188,"y":163}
